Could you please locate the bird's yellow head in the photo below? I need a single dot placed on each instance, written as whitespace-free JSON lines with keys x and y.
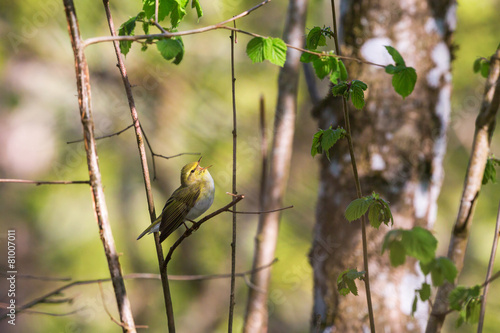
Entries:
{"x":193,"y":173}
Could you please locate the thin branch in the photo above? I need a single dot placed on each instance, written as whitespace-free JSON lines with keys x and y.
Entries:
{"x":145,"y":170}
{"x":196,"y":225}
{"x":137,"y":38}
{"x":261,"y":212}
{"x":49,"y":313}
{"x":235,"y":141}
{"x":36,"y":277}
{"x":99,"y":201}
{"x":489,"y":272}
{"x":104,"y":136}
{"x":357,"y":183}
{"x":153,"y":154}
{"x":41,"y":182}
{"x":101,"y":291}
{"x":485,"y":125}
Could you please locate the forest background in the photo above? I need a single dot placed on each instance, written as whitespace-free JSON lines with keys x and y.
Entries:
{"x":185,"y":108}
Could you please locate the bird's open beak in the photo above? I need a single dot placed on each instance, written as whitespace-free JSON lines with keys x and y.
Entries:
{"x":205,"y":168}
{"x":200,"y":160}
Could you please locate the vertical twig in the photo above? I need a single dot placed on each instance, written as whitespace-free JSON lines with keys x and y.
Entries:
{"x":100,"y":208}
{"x":145,"y":170}
{"x":233,"y":243}
{"x":263,"y":152}
{"x":256,"y":317}
{"x":489,"y":272}
{"x":358,"y":185}
{"x":485,"y":125}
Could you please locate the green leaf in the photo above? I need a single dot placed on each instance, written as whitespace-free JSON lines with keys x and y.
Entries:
{"x":404,"y":81}
{"x":272,"y":49}
{"x":145,"y":27}
{"x":171,"y":49}
{"x":357,"y":94}
{"x":343,"y":70}
{"x":448,"y":268}
{"x":477,"y":65}
{"x":316,"y":143}
{"x":324,"y":140}
{"x":308,"y":57}
{"x":315,"y":38}
{"x":485,"y":68}
{"x":276,"y":53}
{"x":196,"y":4}
{"x":391,"y":69}
{"x":420,"y":244}
{"x":374,"y":215}
{"x":357,"y":208}
{"x":490,"y":173}
{"x":340,"y":89}
{"x":398,"y":59}
{"x":164,"y":8}
{"x":255,"y":49}
{"x":345,"y":281}
{"x":178,"y":11}
{"x":127,"y":29}
{"x":397,"y":253}
{"x":324,"y":65}
{"x":468,"y":302}
{"x":425,"y":292}
{"x":414,"y":305}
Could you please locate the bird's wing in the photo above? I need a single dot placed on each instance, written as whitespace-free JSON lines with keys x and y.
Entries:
{"x":177,"y":207}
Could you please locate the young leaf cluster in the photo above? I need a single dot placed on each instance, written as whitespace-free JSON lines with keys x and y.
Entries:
{"x":490,"y":173}
{"x":267,"y":48}
{"x":481,"y":65}
{"x":323,"y":65}
{"x":404,"y":78}
{"x":324,"y":140}
{"x":170,"y":49}
{"x":346,"y":284}
{"x":378,"y":210}
{"x":353,"y":90}
{"x":467,"y":301}
{"x":424,"y":293}
{"x":419,"y":243}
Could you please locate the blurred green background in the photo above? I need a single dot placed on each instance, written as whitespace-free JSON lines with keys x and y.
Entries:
{"x":185,"y":108}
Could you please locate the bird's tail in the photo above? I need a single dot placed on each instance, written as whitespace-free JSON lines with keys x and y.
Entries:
{"x":153,"y":227}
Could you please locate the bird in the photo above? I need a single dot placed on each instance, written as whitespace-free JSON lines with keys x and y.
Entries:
{"x":193,"y":198}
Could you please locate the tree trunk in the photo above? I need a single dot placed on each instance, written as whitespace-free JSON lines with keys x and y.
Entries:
{"x":399,"y":146}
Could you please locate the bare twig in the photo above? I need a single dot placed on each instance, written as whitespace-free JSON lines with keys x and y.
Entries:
{"x":261,"y":212}
{"x":358,"y":185}
{"x":46,"y":298}
{"x":196,"y":225}
{"x":145,"y":170}
{"x":485,"y":125}
{"x":104,"y":136}
{"x":153,"y":154}
{"x":101,"y":291}
{"x":235,"y":141}
{"x":42,"y":182}
{"x":100,"y":208}
{"x":489,"y":272}
{"x":36,"y":277}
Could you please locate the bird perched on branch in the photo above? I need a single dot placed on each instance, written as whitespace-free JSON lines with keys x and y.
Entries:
{"x":190,"y":200}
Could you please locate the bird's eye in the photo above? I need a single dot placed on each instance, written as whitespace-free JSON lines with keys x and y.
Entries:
{"x":192,"y":171}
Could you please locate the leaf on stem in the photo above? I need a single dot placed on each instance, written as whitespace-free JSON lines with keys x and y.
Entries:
{"x":404,"y":78}
{"x":345,"y":281}
{"x":272,"y":49}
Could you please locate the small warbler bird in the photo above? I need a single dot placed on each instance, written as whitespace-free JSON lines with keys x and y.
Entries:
{"x":190,"y":200}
